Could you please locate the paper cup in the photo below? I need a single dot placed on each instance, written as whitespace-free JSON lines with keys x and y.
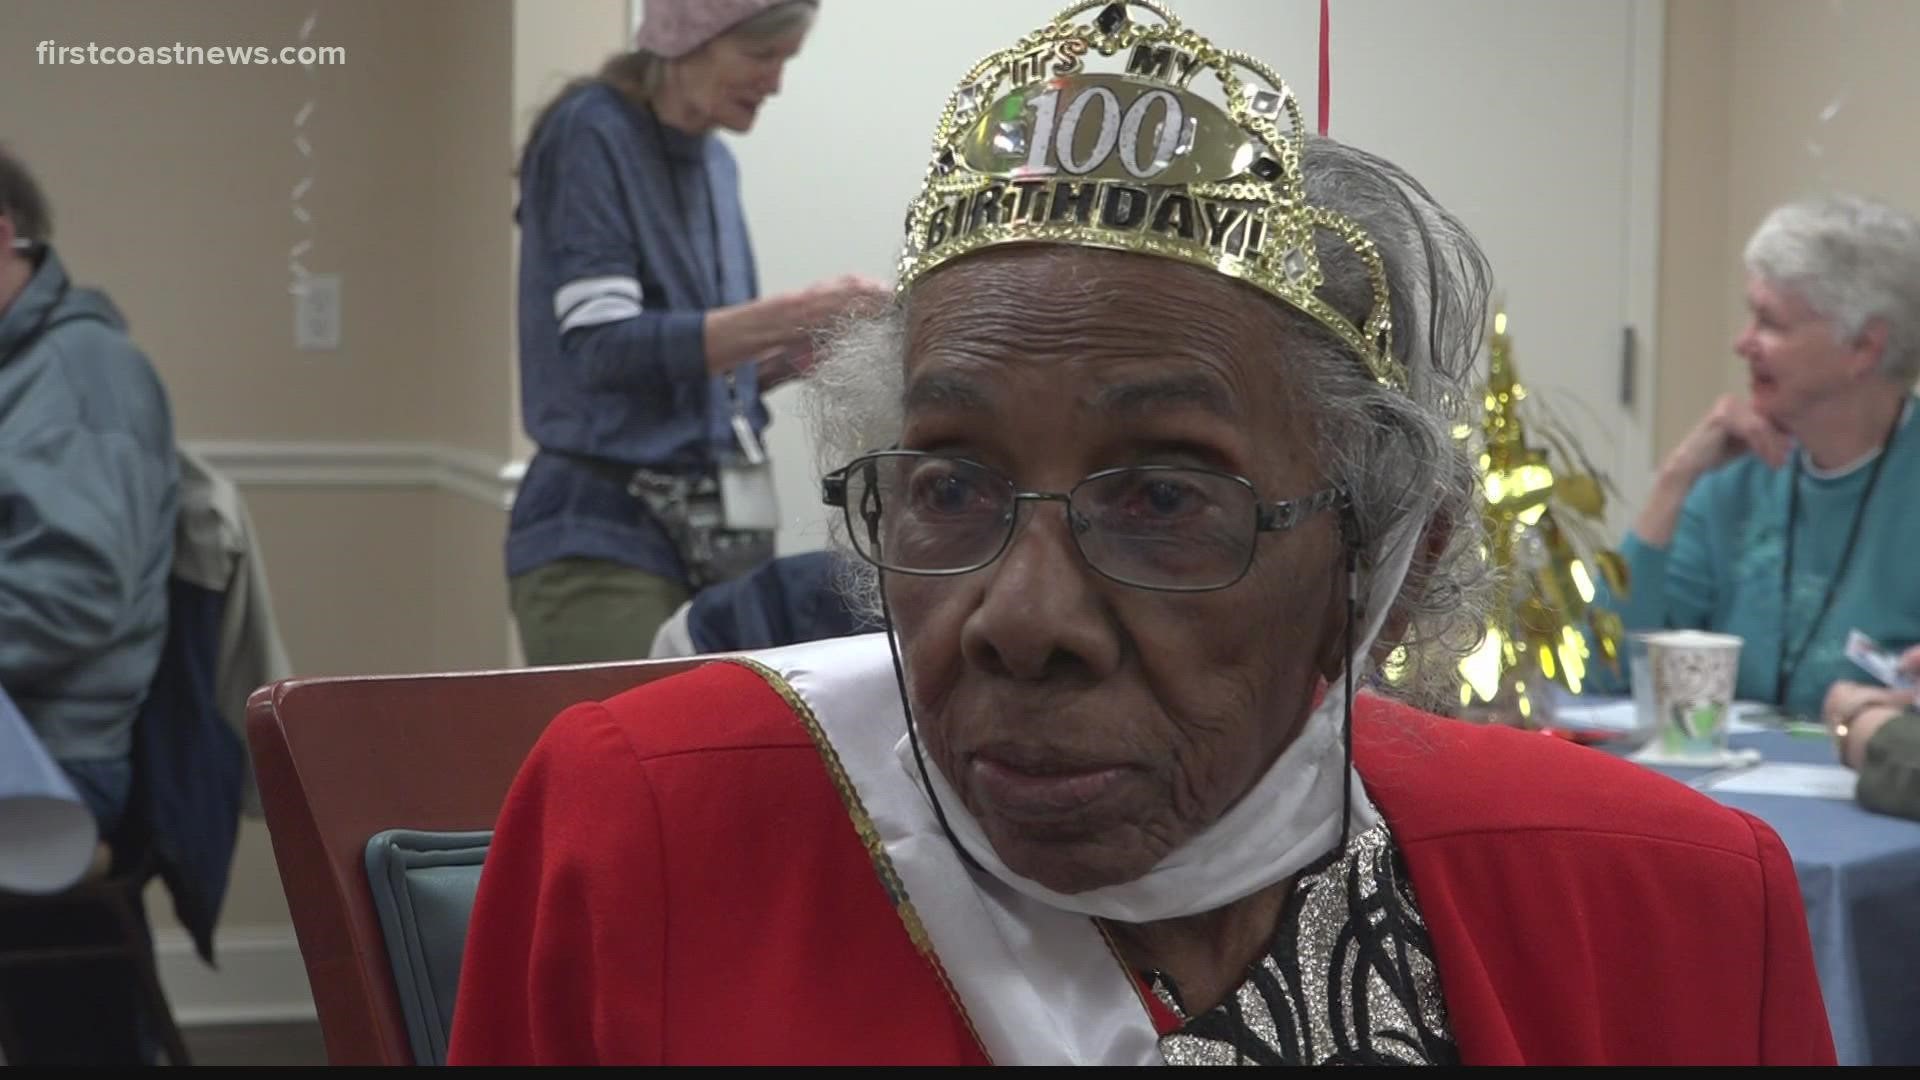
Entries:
{"x":1693,"y":679}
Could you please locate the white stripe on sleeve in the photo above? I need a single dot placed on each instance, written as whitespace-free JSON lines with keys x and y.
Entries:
{"x":584,"y":290}
{"x":605,"y":309}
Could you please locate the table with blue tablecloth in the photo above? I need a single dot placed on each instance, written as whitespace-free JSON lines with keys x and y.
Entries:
{"x":47,"y":834}
{"x":1860,"y":877}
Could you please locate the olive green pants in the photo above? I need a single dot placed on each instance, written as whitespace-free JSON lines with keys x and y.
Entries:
{"x":584,"y":611}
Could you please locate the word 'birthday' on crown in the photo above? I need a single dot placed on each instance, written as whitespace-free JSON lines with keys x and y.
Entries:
{"x":1235,"y":230}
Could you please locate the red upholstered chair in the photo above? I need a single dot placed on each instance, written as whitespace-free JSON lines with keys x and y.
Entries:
{"x":340,"y":760}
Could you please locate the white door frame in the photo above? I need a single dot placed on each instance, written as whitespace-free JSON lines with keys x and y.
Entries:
{"x":1647,"y":82}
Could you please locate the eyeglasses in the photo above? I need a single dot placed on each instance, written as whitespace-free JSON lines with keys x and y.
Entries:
{"x":1159,"y":527}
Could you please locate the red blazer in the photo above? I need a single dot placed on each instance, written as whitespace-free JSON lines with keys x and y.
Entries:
{"x":674,"y":880}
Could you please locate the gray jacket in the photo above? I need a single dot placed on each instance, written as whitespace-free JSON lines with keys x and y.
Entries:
{"x":215,"y":548}
{"x":88,"y":484}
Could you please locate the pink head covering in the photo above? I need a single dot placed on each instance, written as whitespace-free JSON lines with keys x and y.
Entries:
{"x":674,"y":28}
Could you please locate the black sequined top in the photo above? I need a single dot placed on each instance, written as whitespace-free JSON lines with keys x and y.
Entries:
{"x":1350,"y":979}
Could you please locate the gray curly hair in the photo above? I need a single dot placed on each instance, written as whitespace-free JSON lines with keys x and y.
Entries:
{"x":1395,"y":452}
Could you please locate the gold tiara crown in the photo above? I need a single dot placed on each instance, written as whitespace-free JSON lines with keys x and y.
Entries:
{"x":1036,"y":147}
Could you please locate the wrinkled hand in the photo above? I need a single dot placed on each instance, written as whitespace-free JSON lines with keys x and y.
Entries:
{"x":1731,"y":429}
{"x":1852,"y":737}
{"x":793,"y":362}
{"x":1854,"y":711}
{"x":1845,"y":699}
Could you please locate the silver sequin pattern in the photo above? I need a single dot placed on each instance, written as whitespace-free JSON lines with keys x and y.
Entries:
{"x":1349,"y":978}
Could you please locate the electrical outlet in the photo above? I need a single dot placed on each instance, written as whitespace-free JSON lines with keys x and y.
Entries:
{"x":316,"y":312}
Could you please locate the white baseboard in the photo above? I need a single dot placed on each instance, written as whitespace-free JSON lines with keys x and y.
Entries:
{"x":490,"y":478}
{"x":260,"y":980}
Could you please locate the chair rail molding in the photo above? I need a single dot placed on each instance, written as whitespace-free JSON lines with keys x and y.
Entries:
{"x":477,"y":474}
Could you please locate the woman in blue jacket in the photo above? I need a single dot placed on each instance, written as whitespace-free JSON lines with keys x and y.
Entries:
{"x":643,"y":348}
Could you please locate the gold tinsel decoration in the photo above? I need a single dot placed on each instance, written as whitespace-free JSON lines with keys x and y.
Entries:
{"x":1545,"y":512}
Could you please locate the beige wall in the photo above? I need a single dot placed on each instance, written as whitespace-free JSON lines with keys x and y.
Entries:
{"x":1747,"y":81}
{"x":172,"y":189}
{"x":1696,"y":290}
{"x":555,"y":41}
{"x":465,"y":584}
{"x":322,"y":543}
{"x":468,"y":214}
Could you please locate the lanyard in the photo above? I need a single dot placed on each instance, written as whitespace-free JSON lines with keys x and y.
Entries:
{"x":1787,"y":667}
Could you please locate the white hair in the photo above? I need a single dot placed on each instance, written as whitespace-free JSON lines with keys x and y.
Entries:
{"x":1396,"y":453}
{"x":1854,"y":260}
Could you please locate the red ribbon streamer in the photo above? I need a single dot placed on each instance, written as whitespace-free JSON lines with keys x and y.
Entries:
{"x":1326,"y":80}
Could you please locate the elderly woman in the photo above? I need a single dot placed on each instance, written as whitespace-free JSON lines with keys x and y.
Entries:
{"x":1153,"y":454}
{"x":1785,"y":516}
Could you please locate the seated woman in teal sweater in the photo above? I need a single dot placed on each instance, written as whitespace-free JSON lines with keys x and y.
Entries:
{"x":1791,"y":516}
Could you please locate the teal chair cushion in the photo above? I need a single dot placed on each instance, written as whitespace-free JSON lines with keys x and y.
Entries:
{"x":423,"y":887}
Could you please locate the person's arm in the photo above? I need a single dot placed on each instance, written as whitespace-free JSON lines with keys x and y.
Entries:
{"x":1667,"y":586}
{"x":565,"y":956}
{"x":1730,"y":430}
{"x":1669,"y":553}
{"x":606,"y":328}
{"x":1889,"y":763}
{"x":1659,"y":517}
{"x":577,"y":194}
{"x":1673,"y":584}
{"x":74,"y":548}
{"x":759,"y":330}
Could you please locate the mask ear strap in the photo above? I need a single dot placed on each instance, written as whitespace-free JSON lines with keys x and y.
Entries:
{"x":1350,"y":538}
{"x":913,"y":733}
